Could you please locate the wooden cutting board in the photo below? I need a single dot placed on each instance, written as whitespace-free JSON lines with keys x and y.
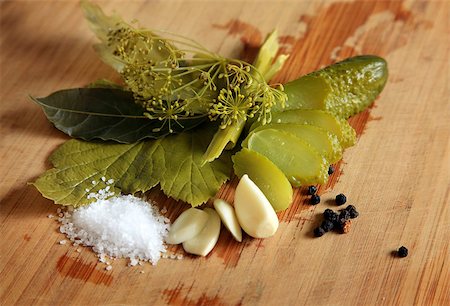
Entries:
{"x":396,"y":175}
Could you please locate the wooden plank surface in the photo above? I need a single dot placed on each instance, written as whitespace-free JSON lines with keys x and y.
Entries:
{"x":396,"y":175}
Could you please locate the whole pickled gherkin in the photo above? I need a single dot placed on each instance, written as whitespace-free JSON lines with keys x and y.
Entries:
{"x":344,"y":88}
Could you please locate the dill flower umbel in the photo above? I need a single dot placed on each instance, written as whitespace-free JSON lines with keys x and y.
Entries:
{"x":174,"y":78}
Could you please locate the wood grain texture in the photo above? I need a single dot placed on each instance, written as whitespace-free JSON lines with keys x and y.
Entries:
{"x":396,"y":175}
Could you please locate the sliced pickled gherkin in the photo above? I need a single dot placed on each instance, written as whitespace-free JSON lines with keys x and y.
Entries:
{"x":266,"y":175}
{"x":324,"y":142}
{"x":297,"y":159}
{"x":339,"y":127}
{"x":344,"y":88}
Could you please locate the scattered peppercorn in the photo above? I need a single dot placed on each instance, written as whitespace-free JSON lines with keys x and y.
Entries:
{"x":352,"y":210}
{"x":315,"y":199}
{"x":339,"y":222}
{"x":341,"y":199}
{"x":318,"y":232}
{"x":402,"y":252}
{"x":330,"y":170}
{"x":328,"y":214}
{"x":344,"y":215}
{"x":312,"y":190}
{"x":327,"y":225}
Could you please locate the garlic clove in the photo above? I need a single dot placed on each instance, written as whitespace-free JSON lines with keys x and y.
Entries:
{"x":188,"y":225}
{"x":205,"y":241}
{"x":228,"y":217}
{"x":254,"y":212}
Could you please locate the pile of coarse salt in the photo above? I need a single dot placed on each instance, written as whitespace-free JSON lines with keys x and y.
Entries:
{"x":122,"y":226}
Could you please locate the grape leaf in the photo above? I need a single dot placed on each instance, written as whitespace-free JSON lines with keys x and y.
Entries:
{"x":106,"y":114}
{"x":186,"y":177}
{"x":174,"y":161}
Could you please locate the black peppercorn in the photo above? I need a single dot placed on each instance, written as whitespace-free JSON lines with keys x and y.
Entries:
{"x":312,"y":190}
{"x":327,"y":225}
{"x":330,"y":170}
{"x":340,"y":199}
{"x":352,"y":210}
{"x":318,"y":232}
{"x":315,"y":199}
{"x":354,"y":214}
{"x":344,"y":215}
{"x":402,"y":252}
{"x":328,"y":214}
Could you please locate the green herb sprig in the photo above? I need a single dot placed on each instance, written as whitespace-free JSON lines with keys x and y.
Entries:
{"x":175,"y":78}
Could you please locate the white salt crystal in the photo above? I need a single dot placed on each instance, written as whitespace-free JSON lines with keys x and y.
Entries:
{"x":50,"y":216}
{"x":119,"y":227}
{"x":110,"y":181}
{"x":94,"y":182}
{"x":108,"y":268}
{"x":103,"y":178}
{"x":63,"y":241}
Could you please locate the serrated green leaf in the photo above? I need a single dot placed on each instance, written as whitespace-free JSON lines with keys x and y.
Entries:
{"x":188,"y":179}
{"x":106,"y":114}
{"x":174,"y":162}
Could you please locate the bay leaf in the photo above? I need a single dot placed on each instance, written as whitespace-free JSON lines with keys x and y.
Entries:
{"x":106,"y":114}
{"x":175,"y":162}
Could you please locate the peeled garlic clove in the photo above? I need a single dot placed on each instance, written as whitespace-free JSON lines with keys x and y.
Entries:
{"x":254,"y":212}
{"x":228,"y":217}
{"x":188,"y":225}
{"x":205,"y":241}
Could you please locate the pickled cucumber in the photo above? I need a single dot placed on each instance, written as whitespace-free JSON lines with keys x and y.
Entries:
{"x":324,"y":142}
{"x":344,"y":88}
{"x":266,"y":175}
{"x":339,"y":127}
{"x":301,"y":164}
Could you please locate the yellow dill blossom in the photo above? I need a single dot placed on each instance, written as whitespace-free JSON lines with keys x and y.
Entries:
{"x":175,"y":78}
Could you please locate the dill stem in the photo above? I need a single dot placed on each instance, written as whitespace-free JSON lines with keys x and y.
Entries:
{"x":223,"y":139}
{"x":184,"y":86}
{"x":186,"y":68}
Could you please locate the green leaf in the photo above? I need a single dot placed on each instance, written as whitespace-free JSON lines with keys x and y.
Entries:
{"x":267,"y":62}
{"x":106,"y":114}
{"x":174,"y":162}
{"x":156,"y":48}
{"x":186,"y":178}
